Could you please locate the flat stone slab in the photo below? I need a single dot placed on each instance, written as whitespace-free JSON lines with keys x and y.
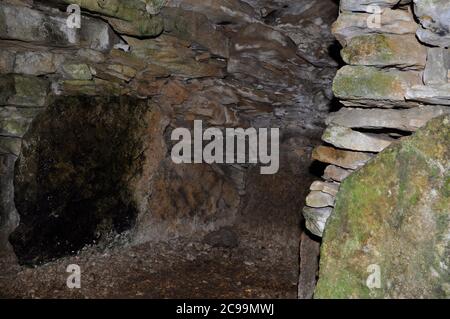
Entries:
{"x":37,"y":63}
{"x":346,"y":138}
{"x":402,"y":119}
{"x":7,"y":58}
{"x":329,"y":188}
{"x":431,"y":94}
{"x":316,"y":219}
{"x":341,"y":158}
{"x":131,"y":17}
{"x":370,"y":86}
{"x":352,"y":24}
{"x":10,"y":145}
{"x":319,"y":199}
{"x":381,"y":50}
{"x":335,"y":173}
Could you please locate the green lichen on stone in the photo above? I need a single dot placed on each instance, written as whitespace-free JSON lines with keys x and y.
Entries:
{"x":369,"y":50}
{"x":150,"y":26}
{"x":383,"y":50}
{"x":155,"y":6}
{"x":138,"y":14}
{"x":395,"y":213}
{"x":122,"y":9}
{"x":366,"y":82}
{"x":77,"y":71}
{"x":10,"y":145}
{"x":14,"y":127}
{"x":23,"y":90}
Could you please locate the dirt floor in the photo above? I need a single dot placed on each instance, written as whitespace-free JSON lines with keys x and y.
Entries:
{"x":177,"y":269}
{"x":264,"y":262}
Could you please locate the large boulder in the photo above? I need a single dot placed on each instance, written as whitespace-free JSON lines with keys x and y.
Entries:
{"x":393,"y":215}
{"x":434,"y":16}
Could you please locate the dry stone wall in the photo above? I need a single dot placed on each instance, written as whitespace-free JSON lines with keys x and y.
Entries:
{"x":395,"y":81}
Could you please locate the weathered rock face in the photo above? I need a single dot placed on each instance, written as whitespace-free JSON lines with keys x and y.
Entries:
{"x":233,"y":63}
{"x":171,"y":205}
{"x":394,"y":213}
{"x":25,"y":24}
{"x":434,"y":16}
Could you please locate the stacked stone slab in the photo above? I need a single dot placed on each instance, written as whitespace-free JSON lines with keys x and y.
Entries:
{"x":395,"y":81}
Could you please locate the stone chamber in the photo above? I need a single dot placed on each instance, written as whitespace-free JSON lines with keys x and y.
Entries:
{"x":360,"y":90}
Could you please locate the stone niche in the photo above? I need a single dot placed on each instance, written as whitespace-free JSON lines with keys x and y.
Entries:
{"x":96,"y":170}
{"x":71,"y":177}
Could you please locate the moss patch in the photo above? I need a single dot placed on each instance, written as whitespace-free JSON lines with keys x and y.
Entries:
{"x":394,"y":213}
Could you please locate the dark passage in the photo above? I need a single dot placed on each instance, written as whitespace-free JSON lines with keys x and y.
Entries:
{"x":69,"y":180}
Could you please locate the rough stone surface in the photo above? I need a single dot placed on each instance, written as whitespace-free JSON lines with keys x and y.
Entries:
{"x":6,"y":61}
{"x":351,"y":24}
{"x":335,"y":173}
{"x":329,"y":188}
{"x":367,"y":86}
{"x":362,"y":5}
{"x":319,"y":199}
{"x":10,"y":145}
{"x":37,"y":63}
{"x":438,"y":64}
{"x":76,"y":72}
{"x":344,"y":159}
{"x":316,"y":219}
{"x":131,"y":17}
{"x":431,"y":94}
{"x":393,"y":213}
{"x":255,"y":63}
{"x":309,"y":263}
{"x":407,"y":119}
{"x":381,"y":50}
{"x":343,"y":137}
{"x":14,"y":121}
